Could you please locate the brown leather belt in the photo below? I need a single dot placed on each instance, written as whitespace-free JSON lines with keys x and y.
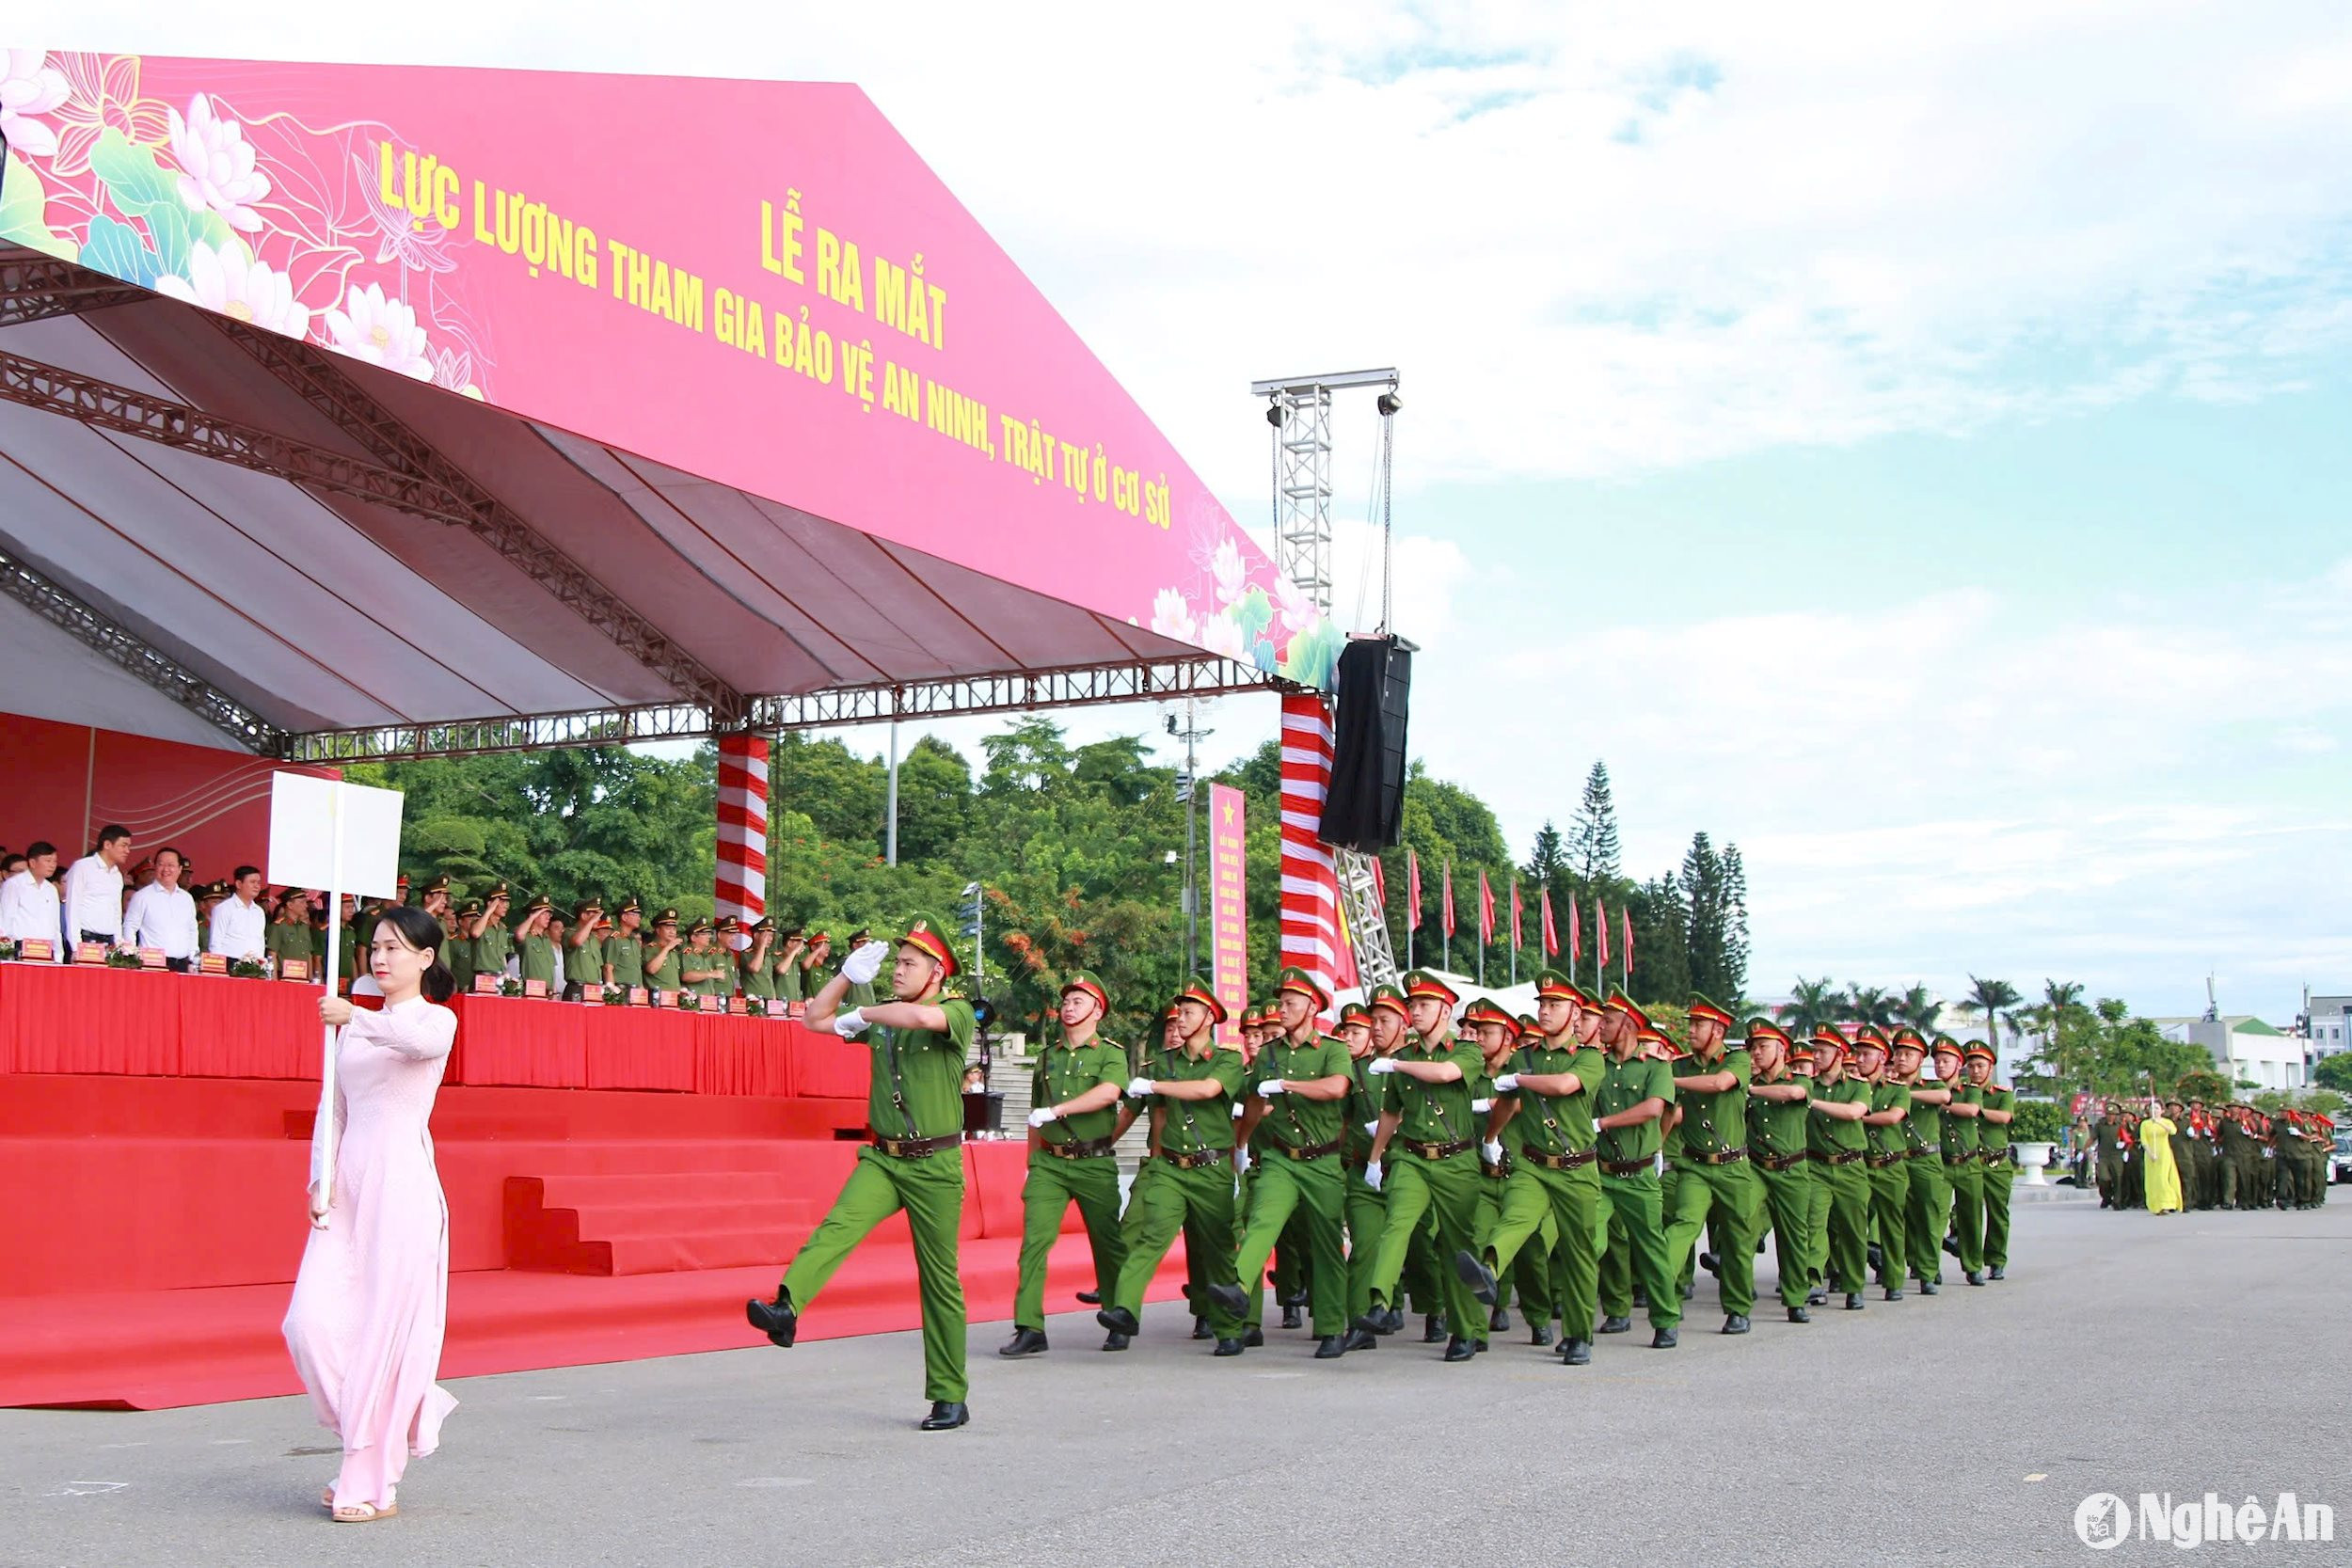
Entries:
{"x":1841,"y":1157}
{"x":1880,"y":1162}
{"x":1560,"y":1161}
{"x":1495,"y":1173}
{"x":1195,"y":1161}
{"x":1623,"y":1167}
{"x":1927,"y":1148}
{"x":1994,"y":1156}
{"x":916,"y":1149}
{"x":1729,"y":1156}
{"x":1434,"y":1151}
{"x":1959,"y":1157}
{"x":1780,"y":1162}
{"x":1078,"y":1149}
{"x":1312,"y":1151}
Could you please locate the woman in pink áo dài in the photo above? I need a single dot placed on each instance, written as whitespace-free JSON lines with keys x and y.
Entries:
{"x":372,"y":1295}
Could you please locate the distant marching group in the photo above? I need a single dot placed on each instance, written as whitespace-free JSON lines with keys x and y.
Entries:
{"x":2176,"y":1155}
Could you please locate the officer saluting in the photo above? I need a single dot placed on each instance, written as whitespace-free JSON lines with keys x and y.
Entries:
{"x":914,"y":1116}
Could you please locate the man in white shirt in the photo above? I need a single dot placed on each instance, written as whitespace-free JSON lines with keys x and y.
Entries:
{"x":162,"y":915}
{"x":28,"y":900}
{"x":93,"y":889}
{"x":240,"y":924}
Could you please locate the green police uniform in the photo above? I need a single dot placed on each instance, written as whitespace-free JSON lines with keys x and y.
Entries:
{"x":624,"y":951}
{"x":583,"y":955}
{"x":1777,"y":1151}
{"x":758,"y":976}
{"x":788,"y":971}
{"x":288,"y":938}
{"x":861,"y":993}
{"x":1299,"y":1171}
{"x":1839,"y":1216}
{"x":1993,"y":1146}
{"x":1716,"y":1182}
{"x":2106,"y":1136}
{"x":1964,"y":1171}
{"x":1929,"y":1206}
{"x":1554,"y":1177}
{"x":534,"y":954}
{"x":1367,"y":1205}
{"x":1630,"y":1190}
{"x":1188,"y":1186}
{"x":915,"y":1112}
{"x":1436,"y":1175}
{"x":492,"y":948}
{"x":1890,"y":1186}
{"x":459,"y":949}
{"x":1070,"y":1161}
{"x":664,"y":973}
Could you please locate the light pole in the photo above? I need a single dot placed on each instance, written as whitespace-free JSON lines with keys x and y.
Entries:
{"x":1189,"y":791}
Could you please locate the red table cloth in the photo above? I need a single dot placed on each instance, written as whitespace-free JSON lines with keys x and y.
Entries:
{"x":825,"y":1066}
{"x":743,"y":1055}
{"x":61,"y":1017}
{"x":249,"y":1028}
{"x":520,"y":1041}
{"x":642,"y":1048}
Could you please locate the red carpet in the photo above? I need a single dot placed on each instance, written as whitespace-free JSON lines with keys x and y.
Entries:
{"x":585,"y":1225}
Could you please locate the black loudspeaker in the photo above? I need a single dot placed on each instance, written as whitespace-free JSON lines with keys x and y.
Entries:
{"x":1365,"y":809}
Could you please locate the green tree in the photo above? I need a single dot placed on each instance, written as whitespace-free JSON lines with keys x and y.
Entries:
{"x":1701,"y":885}
{"x":1661,"y":961}
{"x":934,"y":801}
{"x":1919,"y":1009}
{"x":1593,"y":833}
{"x":1550,"y":858}
{"x":2334,"y":1072}
{"x":1735,"y":959}
{"x":1995,"y":1002}
{"x":1870,"y":1005}
{"x":839,"y":791}
{"x":1811,"y":1004}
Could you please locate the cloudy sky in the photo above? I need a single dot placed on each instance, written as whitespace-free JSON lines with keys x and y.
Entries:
{"x":1911,"y":441}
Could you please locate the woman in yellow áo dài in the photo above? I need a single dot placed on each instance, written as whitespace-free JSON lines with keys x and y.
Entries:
{"x":2163,"y":1177}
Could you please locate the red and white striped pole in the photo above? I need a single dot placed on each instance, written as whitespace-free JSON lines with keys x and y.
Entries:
{"x":1310,"y":889}
{"x":742,"y":885}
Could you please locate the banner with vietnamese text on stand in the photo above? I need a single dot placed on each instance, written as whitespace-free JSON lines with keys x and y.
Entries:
{"x":1228,"y":913}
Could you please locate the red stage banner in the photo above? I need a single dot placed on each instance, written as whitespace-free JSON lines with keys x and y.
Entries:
{"x":1229,"y":910}
{"x":830,"y":328}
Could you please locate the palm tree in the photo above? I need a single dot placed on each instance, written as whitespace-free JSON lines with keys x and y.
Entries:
{"x":1996,"y":1001}
{"x":1811,"y":1004}
{"x":1870,"y":1005}
{"x":1920,"y":1010}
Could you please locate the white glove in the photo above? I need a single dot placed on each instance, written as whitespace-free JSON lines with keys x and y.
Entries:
{"x":1271,"y":1087}
{"x":849,"y":1024}
{"x":1139,"y":1087}
{"x":1241,"y":1159}
{"x":1042,"y":1115}
{"x":1482,"y":1106}
{"x":1381,"y":1066}
{"x":1237,"y":1110}
{"x":1372,"y":1176}
{"x":861,"y":967}
{"x":1493,"y":1150}
{"x":1505,"y":1084}
{"x":1372,"y":1129}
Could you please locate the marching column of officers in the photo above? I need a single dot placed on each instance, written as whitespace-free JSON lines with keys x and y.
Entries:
{"x":2237,"y":1157}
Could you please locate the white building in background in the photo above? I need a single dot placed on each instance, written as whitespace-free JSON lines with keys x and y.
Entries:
{"x":2242,"y":1048}
{"x":2327,"y":1025}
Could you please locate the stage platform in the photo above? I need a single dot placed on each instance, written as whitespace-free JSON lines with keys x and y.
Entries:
{"x":150,"y":1262}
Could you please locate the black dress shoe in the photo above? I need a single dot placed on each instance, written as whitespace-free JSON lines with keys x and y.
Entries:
{"x":1874,"y":1256}
{"x":1394,"y":1321}
{"x":1480,"y":1346}
{"x":1893,"y":1292}
{"x":1118,"y":1320}
{"x":1615,"y":1325}
{"x":1201,"y":1329}
{"x":1373,"y":1322}
{"x":1330,"y":1347}
{"x":1231,"y":1298}
{"x":1115,"y":1342}
{"x":1799,"y":1315}
{"x":1817,"y":1298}
{"x":1576,"y":1352}
{"x":1091,"y":1298}
{"x":1974,"y":1276}
{"x":1360,"y":1339}
{"x":775,"y":1319}
{"x":1641,"y":1296}
{"x":1499,"y":1320}
{"x":946,"y":1415}
{"x":1228,"y":1347}
{"x":1024,"y":1342}
{"x":1690,"y":1290}
{"x":1707,"y":1261}
{"x":1476,"y":1275}
{"x":1929,"y":1287}
{"x":1459,"y":1349}
{"x":1540,"y":1334}
{"x":1854,"y":1301}
{"x":1665,"y":1339}
{"x":1432,"y":1329}
{"x":1951,"y":1246}
{"x":2000,"y":1271}
{"x":1291,"y":1318}
{"x":1735,"y":1323}
{"x":1252,"y":1337}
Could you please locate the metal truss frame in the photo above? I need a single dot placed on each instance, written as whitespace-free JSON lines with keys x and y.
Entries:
{"x":33,"y":287}
{"x":1017,"y":692}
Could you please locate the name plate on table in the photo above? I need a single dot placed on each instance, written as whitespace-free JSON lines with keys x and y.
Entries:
{"x":150,"y":958}
{"x":485,"y":984}
{"x":592,"y":994}
{"x":797,"y":1010}
{"x":665,"y":999}
{"x":293,"y":969}
{"x":714,"y":1003}
{"x":35,"y":950}
{"x":213,"y":963}
{"x":736,"y":1007}
{"x":535,"y":987}
{"x":89,"y":951}
{"x":639,"y":996}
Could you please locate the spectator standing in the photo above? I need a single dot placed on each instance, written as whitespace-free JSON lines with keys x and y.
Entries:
{"x":93,"y":889}
{"x":240,"y":926}
{"x":162,"y":915}
{"x":28,"y":900}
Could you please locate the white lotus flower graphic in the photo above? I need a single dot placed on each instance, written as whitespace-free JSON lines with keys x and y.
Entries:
{"x":381,"y":331}
{"x":216,"y":164}
{"x":1221,"y":634}
{"x":29,"y":86}
{"x":1225,"y":565}
{"x":1171,"y":616}
{"x":1298,"y":611}
{"x":231,"y":281}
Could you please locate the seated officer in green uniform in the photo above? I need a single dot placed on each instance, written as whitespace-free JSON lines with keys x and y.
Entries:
{"x":1928,"y":1199}
{"x":1431,"y":1122}
{"x":757,"y":971}
{"x":1839,"y":1145}
{"x":1777,"y":1110}
{"x":1299,"y":1085}
{"x":913,"y":1161}
{"x":534,"y":950}
{"x":1075,"y":1090}
{"x":665,"y":959}
{"x":289,"y":935}
{"x":625,"y":947}
{"x":493,"y":944}
{"x":1545,"y":1114}
{"x":583,"y":950}
{"x":1716,"y":1182}
{"x":1187,"y":1183}
{"x":1635,"y":1091}
{"x":1889,"y":1160}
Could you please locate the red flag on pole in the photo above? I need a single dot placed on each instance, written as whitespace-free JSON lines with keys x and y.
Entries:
{"x":1551,"y":937}
{"x":1485,"y":907}
{"x":1601,"y":931}
{"x":1627,"y":914}
{"x":1517,"y":941}
{"x":1449,"y":899}
{"x":1379,"y":884}
{"x":1576,"y":935}
{"x":1412,"y":889}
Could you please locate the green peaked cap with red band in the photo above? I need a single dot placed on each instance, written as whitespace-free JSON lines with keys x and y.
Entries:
{"x":1553,"y":986}
{"x":1699,"y":1006}
{"x":1760,"y":1027}
{"x":1620,"y":1002}
{"x":1090,"y":984}
{"x":1485,"y":1011}
{"x":1200,"y":991}
{"x":928,"y":937}
{"x":1388,"y":997}
{"x":1421,"y":983}
{"x":1306,"y":984}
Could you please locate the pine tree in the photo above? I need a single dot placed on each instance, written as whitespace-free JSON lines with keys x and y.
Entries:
{"x":1661,"y":959}
{"x":1735,"y":879}
{"x":1701,"y":884}
{"x":1593,"y":834}
{"x":1551,"y":857}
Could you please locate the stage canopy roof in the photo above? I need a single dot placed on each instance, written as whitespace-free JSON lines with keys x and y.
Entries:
{"x":371,"y":411}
